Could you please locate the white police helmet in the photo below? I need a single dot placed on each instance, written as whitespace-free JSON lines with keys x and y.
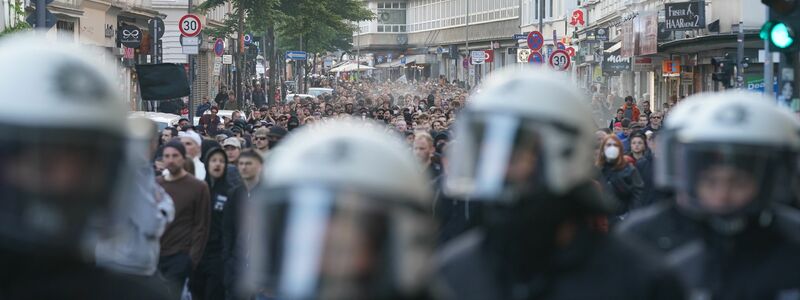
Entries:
{"x":62,"y":131}
{"x":736,"y":155}
{"x":343,"y":213}
{"x":527,"y":131}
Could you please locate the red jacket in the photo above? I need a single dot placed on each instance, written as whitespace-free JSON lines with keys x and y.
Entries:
{"x":635,"y":112}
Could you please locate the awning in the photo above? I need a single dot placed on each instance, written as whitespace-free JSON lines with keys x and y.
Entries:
{"x":393,"y":64}
{"x":351,"y":67}
{"x":613,"y":48}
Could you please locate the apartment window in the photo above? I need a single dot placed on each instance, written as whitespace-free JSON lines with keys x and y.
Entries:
{"x":390,"y":15}
{"x":65,"y":31}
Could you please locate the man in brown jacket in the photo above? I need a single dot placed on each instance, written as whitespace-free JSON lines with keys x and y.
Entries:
{"x":184,"y":239}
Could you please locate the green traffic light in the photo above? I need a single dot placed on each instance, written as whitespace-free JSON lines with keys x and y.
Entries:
{"x":781,"y":36}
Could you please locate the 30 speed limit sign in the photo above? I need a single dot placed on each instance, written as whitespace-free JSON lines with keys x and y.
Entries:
{"x":190,"y":25}
{"x":559,"y":60}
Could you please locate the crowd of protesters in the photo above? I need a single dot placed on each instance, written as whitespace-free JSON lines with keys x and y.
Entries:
{"x":228,"y":154}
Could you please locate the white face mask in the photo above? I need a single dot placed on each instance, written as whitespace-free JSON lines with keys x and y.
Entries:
{"x":611,"y":152}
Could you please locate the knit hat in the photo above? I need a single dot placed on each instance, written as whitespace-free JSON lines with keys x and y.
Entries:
{"x":177,"y":145}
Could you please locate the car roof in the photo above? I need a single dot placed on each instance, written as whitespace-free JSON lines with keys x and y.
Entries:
{"x":156,"y":116}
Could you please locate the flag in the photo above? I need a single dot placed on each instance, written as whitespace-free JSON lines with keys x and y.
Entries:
{"x":162,"y":81}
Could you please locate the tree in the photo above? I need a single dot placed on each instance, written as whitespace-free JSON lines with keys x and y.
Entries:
{"x":309,"y":25}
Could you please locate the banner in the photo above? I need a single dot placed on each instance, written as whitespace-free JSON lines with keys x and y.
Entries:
{"x":162,"y":81}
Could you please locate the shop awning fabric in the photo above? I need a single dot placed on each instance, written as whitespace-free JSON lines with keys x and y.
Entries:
{"x":351,"y":67}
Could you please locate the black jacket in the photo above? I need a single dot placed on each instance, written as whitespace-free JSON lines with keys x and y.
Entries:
{"x":760,"y":262}
{"x":232,"y":249}
{"x":28,"y":276}
{"x":455,"y":216}
{"x":593,"y":266}
{"x":220,"y":194}
{"x":625,"y":185}
{"x":645,"y":167}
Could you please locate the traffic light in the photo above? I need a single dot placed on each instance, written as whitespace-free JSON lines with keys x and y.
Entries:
{"x":783,"y":26}
{"x":724,"y":70}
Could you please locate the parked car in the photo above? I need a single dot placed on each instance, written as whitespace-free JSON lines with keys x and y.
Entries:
{"x":316,"y":91}
{"x":289,"y":97}
{"x":162,"y":120}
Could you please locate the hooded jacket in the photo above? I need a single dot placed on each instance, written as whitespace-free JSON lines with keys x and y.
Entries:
{"x":218,"y":189}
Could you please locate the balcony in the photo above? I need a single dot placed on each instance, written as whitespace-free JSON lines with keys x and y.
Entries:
{"x":132,"y":4}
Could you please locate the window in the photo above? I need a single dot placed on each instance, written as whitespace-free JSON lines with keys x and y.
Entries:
{"x":380,"y":4}
{"x":380,"y":28}
{"x":65,"y":31}
{"x":551,"y":8}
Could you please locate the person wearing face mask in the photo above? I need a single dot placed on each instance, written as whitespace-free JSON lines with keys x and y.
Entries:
{"x":619,"y":178}
{"x":725,"y":230}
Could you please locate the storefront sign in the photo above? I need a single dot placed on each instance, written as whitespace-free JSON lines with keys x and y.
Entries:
{"x":614,"y":62}
{"x":601,"y":34}
{"x":671,"y":67}
{"x":684,"y":16}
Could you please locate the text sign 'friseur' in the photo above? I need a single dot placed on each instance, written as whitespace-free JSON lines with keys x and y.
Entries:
{"x":685,"y":15}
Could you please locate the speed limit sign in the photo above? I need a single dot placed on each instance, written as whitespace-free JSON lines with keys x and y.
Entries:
{"x":559,"y":60}
{"x":190,"y":25}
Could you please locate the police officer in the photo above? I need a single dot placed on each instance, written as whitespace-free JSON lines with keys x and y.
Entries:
{"x":525,"y":151}
{"x":62,"y":140}
{"x":724,"y":232}
{"x":343,"y":213}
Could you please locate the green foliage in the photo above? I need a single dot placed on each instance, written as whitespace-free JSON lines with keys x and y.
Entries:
{"x":324,"y":25}
{"x":19,"y":13}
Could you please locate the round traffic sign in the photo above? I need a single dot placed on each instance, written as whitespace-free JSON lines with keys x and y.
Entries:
{"x":219,"y":47}
{"x":561,"y":46}
{"x":559,"y":60}
{"x":248,"y":39}
{"x":535,"y":40}
{"x":190,"y":25}
{"x":570,"y":51}
{"x":535,"y":58}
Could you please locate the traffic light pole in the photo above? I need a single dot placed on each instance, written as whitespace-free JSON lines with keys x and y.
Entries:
{"x":768,"y":78}
{"x":740,"y":58}
{"x":41,"y":14}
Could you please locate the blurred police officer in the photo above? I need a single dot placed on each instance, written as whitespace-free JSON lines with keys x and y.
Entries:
{"x":62,"y":140}
{"x":328,"y":224}
{"x":525,"y":150}
{"x":725,"y":231}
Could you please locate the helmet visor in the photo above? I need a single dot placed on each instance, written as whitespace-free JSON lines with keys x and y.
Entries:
{"x":313,"y":242}
{"x":729,"y":179}
{"x":498,"y":157}
{"x":54,"y":182}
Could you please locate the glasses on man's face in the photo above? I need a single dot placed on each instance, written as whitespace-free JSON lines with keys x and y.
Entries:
{"x":261,"y":138}
{"x":656,"y":117}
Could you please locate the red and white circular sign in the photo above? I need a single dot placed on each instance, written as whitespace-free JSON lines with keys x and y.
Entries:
{"x":190,"y":25}
{"x":559,"y":60}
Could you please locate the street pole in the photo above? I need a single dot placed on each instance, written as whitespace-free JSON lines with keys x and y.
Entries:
{"x":768,"y":78}
{"x":41,"y":9}
{"x":191,"y":77}
{"x":469,"y":58}
{"x":358,"y":53}
{"x":541,"y":18}
{"x":740,"y":59}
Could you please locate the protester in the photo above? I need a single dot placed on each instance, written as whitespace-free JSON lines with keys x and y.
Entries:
{"x":184,"y":240}
{"x":619,"y":178}
{"x":207,"y":279}
{"x":250,"y":166}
